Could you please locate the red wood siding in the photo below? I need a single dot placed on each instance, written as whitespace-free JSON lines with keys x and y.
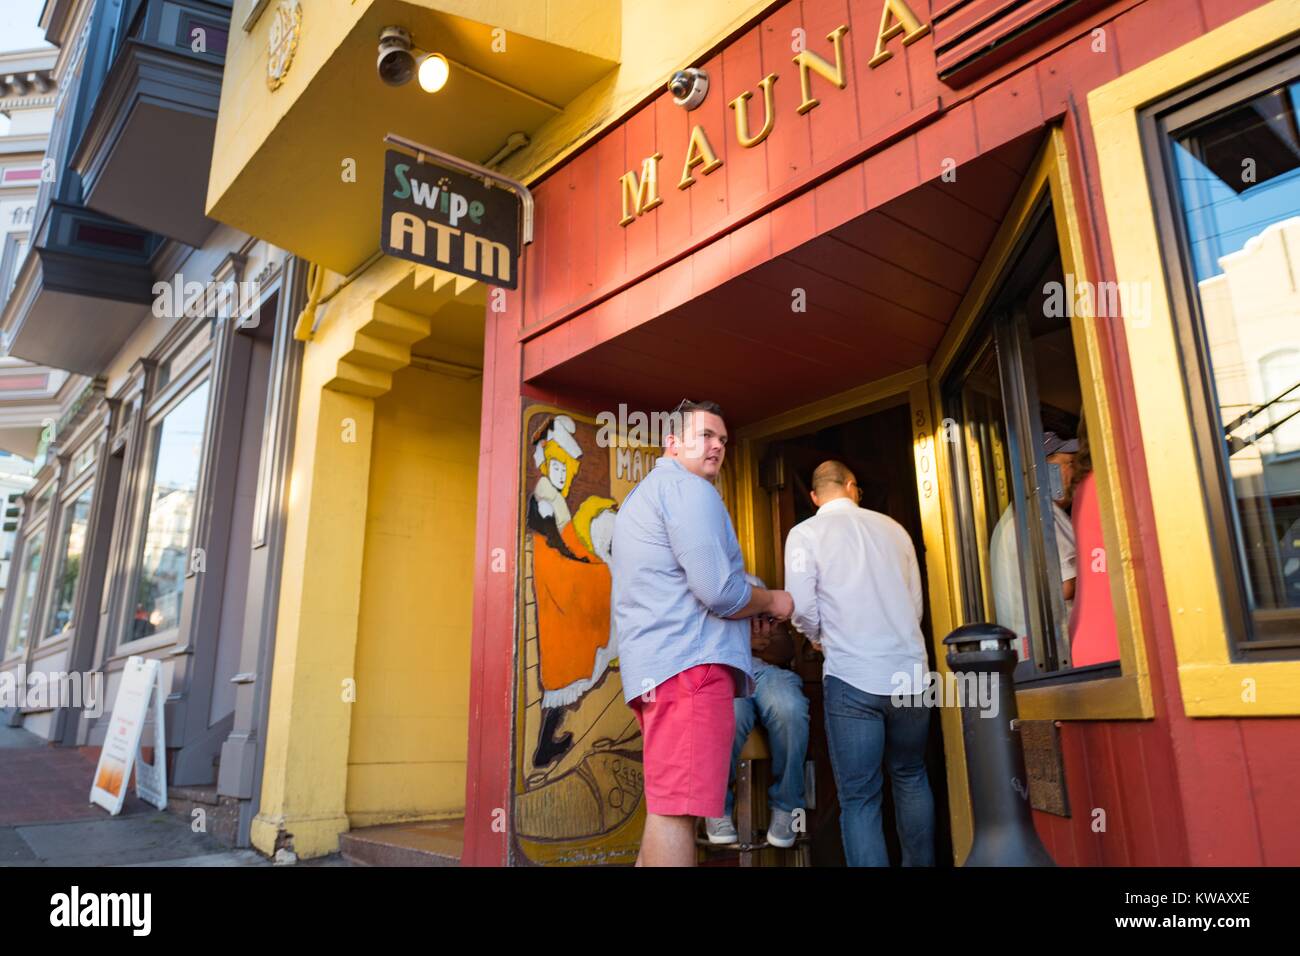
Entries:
{"x":880,"y":287}
{"x":491,"y":688}
{"x":972,"y":37}
{"x":877,"y":104}
{"x":845,"y":199}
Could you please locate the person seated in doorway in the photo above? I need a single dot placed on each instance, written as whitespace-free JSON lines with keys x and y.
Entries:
{"x":780,"y":706}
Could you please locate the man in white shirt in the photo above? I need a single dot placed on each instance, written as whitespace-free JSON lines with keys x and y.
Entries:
{"x":1004,"y":550}
{"x":856,"y":586}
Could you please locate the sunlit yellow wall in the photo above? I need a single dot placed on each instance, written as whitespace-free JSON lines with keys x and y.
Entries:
{"x":657,"y":39}
{"x":410,"y":720}
{"x":651,"y":41}
{"x":250,"y":110}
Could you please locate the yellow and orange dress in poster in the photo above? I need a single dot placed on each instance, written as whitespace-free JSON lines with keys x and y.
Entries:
{"x":578,"y":783}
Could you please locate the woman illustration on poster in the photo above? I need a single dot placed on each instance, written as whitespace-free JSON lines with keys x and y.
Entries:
{"x":571,"y":574}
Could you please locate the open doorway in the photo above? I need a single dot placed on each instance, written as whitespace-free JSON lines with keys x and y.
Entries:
{"x":877,"y":447}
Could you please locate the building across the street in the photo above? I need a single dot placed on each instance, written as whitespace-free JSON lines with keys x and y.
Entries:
{"x":30,"y":395}
{"x":154,"y":522}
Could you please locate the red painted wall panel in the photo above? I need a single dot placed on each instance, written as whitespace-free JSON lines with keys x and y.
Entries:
{"x":1150,"y":29}
{"x":1082,"y":65}
{"x":492,"y":659}
{"x":1272,"y":749}
{"x":833,"y":123}
{"x":985,"y":16}
{"x":789,"y":148}
{"x":611,"y":238}
{"x":1176,"y":791}
{"x":746,"y":169}
{"x":672,"y":132}
{"x":582,"y":252}
{"x":642,"y":236}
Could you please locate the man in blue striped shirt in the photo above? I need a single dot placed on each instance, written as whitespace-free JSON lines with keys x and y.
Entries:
{"x":680,"y":600}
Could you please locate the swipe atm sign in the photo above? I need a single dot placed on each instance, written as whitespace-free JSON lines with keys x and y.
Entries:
{"x":445,"y":219}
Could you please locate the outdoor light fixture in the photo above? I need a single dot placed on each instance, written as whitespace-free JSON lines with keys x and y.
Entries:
{"x":398,"y":63}
{"x":434,"y":71}
{"x":689,"y":87}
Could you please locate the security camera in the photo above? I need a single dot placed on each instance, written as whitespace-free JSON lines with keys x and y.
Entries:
{"x":396,"y":61}
{"x":689,"y":87}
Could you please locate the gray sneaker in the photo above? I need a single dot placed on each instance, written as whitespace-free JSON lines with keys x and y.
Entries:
{"x":780,"y":832}
{"x":720,"y":831}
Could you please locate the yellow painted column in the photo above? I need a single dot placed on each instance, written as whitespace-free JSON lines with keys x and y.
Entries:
{"x":304,"y":783}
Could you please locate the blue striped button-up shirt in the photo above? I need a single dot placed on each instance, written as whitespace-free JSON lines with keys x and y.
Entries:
{"x":677,"y":574}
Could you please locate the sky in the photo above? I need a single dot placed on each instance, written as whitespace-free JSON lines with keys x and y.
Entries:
{"x":18,"y":29}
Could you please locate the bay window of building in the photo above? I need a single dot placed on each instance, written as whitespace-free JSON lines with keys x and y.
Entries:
{"x":1228,"y":197}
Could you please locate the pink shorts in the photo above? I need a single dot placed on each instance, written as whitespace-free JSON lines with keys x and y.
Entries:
{"x":687,"y":734}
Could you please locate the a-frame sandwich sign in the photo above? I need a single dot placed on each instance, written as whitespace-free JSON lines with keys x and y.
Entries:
{"x":139,"y":693}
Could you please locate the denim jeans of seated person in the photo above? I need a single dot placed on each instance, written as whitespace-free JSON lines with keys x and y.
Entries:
{"x":780,"y":706}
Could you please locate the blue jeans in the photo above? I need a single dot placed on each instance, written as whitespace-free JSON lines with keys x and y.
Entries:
{"x":779,"y":703}
{"x":862,"y":731}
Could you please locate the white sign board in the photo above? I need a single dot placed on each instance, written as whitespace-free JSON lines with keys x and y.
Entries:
{"x":140,"y":685}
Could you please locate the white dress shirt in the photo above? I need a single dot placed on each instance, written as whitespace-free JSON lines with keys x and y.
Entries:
{"x":856,"y":586}
{"x":1004,"y":561}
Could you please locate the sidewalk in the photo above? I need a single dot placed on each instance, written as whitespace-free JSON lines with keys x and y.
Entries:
{"x":46,"y":818}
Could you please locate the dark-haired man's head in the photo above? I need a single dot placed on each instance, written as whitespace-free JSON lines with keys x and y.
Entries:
{"x":832,"y":480}
{"x":697,"y":438}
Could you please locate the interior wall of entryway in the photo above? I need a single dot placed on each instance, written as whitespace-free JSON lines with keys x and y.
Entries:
{"x":407,"y":748}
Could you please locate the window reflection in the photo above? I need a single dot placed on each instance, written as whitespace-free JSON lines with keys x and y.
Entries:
{"x":1028,"y":513}
{"x":1239,"y":182}
{"x":26,"y":594}
{"x":76,"y":521}
{"x":178,"y":452}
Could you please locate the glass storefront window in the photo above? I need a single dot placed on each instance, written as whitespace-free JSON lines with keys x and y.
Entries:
{"x":1236,"y":170}
{"x":173,"y":487}
{"x":25,"y":593}
{"x":1030,"y":531}
{"x":76,"y":522}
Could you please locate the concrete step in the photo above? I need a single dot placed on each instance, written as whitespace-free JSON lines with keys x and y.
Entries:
{"x":220,"y":815}
{"x":207,"y":794}
{"x":438,"y":843}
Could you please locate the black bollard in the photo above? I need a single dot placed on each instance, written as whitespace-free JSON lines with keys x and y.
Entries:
{"x":995,"y":760}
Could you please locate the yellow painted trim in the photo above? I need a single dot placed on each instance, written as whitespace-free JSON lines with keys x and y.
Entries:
{"x":1128,"y":696}
{"x":851,"y":401}
{"x":1212,"y":684}
{"x":740,"y":465}
{"x":930,"y":496}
